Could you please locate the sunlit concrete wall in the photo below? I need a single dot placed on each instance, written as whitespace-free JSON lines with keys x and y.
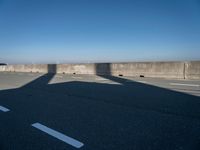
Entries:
{"x":150,"y":69}
{"x":192,"y":70}
{"x":180,"y":70}
{"x":76,"y":68}
{"x":25,"y":68}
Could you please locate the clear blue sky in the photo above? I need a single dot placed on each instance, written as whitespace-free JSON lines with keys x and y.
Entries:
{"x":47,"y":31}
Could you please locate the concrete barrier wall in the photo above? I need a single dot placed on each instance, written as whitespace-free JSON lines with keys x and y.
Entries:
{"x":150,"y":69}
{"x":25,"y":68}
{"x":76,"y":68}
{"x":192,"y":70}
{"x":180,"y":70}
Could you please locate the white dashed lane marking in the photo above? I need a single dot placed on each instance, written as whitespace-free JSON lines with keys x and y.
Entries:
{"x":181,"y":84}
{"x":4,"y":109}
{"x":58,"y":135}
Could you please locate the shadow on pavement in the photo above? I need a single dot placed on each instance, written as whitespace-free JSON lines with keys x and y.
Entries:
{"x":128,"y":116}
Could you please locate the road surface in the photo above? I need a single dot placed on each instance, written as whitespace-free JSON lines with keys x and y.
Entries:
{"x":88,"y":112}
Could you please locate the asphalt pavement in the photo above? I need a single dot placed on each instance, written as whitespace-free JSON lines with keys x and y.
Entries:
{"x":95,"y":112}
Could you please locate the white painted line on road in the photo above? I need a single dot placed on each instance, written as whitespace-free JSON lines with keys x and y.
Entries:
{"x":58,"y":135}
{"x":115,"y":83}
{"x":195,"y":85}
{"x":142,"y":81}
{"x":4,"y":109}
{"x":101,"y":79}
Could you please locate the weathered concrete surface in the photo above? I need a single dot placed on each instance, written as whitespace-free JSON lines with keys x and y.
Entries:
{"x":150,"y":69}
{"x":178,"y":70}
{"x":76,"y":68}
{"x":192,"y":70}
{"x":25,"y":68}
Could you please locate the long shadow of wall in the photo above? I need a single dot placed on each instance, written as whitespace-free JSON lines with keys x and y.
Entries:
{"x":43,"y":80}
{"x":104,"y":70}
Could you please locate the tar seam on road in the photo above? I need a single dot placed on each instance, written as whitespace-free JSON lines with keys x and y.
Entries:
{"x":195,"y":85}
{"x":4,"y":109}
{"x":58,"y":135}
